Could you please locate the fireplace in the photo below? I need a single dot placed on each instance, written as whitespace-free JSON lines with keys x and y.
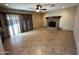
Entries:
{"x":52,"y":24}
{"x":53,"y":21}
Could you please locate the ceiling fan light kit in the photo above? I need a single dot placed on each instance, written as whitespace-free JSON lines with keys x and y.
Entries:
{"x":39,"y":8}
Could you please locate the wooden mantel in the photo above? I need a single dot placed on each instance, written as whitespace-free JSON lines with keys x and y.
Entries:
{"x":51,"y":17}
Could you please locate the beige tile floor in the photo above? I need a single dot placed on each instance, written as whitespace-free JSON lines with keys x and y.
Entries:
{"x":42,"y":41}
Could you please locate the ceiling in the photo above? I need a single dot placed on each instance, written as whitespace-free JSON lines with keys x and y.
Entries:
{"x":32,"y":6}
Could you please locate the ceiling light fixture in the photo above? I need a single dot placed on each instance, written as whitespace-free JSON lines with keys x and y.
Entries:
{"x":37,"y":10}
{"x":6,"y":4}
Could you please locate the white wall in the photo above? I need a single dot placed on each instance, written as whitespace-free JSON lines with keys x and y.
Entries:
{"x":67,"y":19}
{"x":76,"y":29}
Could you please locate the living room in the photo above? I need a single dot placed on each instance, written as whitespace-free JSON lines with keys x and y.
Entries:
{"x":30,"y":30}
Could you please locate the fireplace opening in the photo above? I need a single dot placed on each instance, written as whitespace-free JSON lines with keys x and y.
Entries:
{"x":52,"y":24}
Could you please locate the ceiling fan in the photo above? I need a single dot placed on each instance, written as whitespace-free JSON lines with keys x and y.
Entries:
{"x":39,"y":8}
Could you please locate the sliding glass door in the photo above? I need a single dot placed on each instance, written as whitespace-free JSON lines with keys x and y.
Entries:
{"x":14,"y":24}
{"x":19,"y":23}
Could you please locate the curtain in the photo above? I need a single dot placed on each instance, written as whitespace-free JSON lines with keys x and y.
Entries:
{"x":19,"y":23}
{"x":4,"y":26}
{"x":14,"y":24}
{"x":27,"y":22}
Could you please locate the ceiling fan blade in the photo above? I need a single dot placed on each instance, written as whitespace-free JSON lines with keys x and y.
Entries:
{"x":43,"y":9}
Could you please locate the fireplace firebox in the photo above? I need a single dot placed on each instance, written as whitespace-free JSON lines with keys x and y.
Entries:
{"x":52,"y":24}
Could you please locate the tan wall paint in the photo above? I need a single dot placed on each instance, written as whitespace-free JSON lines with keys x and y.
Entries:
{"x":37,"y":20}
{"x":76,"y":29}
{"x":67,"y":19}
